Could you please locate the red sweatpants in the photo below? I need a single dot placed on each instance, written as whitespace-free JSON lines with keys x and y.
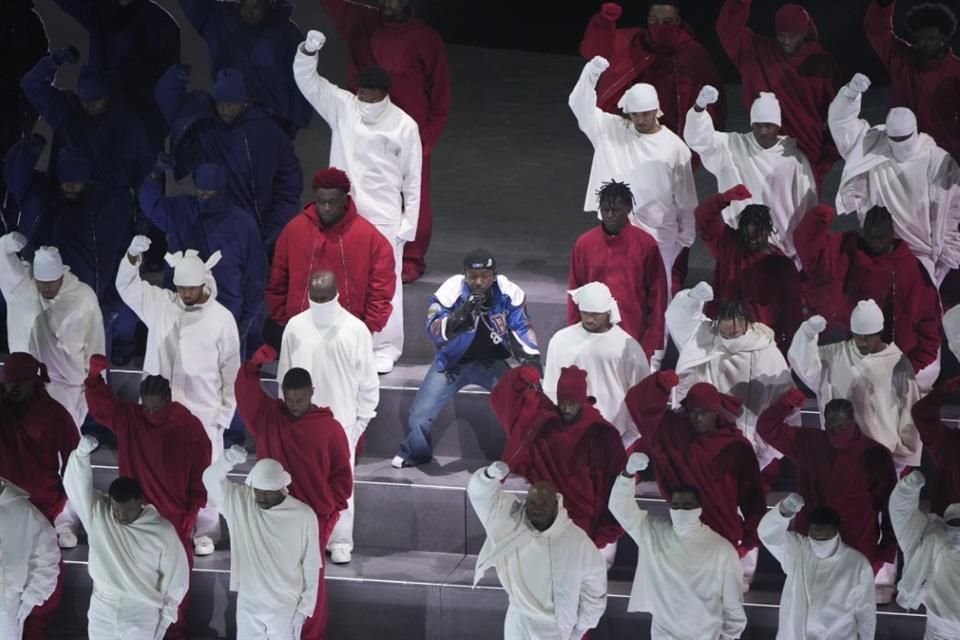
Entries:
{"x":315,"y":627}
{"x":414,"y":253}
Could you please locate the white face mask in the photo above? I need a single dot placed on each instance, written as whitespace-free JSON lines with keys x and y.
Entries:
{"x":685,"y":520}
{"x":733,"y":345}
{"x":953,"y":537}
{"x":370,"y":112}
{"x":903,"y":151}
{"x":324,"y":313}
{"x":825,"y":548}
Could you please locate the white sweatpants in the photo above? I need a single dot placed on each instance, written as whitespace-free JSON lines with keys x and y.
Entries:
{"x":72,"y":399}
{"x":208,"y":518}
{"x":112,"y":618}
{"x":8,"y":616}
{"x":389,"y":342}
{"x":517,"y":626}
{"x":342,"y":535}
{"x":256,"y":622}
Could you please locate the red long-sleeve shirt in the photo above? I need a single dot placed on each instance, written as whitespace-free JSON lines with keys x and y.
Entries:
{"x":943,"y":446}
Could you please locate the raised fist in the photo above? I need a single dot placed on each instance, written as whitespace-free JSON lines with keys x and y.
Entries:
{"x":12,"y":242}
{"x":98,"y":364}
{"x":67,"y":55}
{"x":702,"y":292}
{"x":598,"y":65}
{"x":915,"y":480}
{"x":708,"y":96}
{"x":498,"y":470}
{"x":637,"y":462}
{"x":88,"y":444}
{"x":815,"y":325}
{"x":264,"y":354}
{"x":791,"y":505}
{"x":138,"y":246}
{"x":530,"y":375}
{"x":235,"y":455}
{"x":315,"y":41}
{"x":667,"y":380}
{"x":738,"y":192}
{"x":859,"y":83}
{"x":793,"y":399}
{"x":611,"y":11}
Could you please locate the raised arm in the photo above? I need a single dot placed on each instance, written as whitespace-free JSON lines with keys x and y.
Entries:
{"x":843,"y":116}
{"x":144,"y":299}
{"x":702,"y":137}
{"x":773,"y":424}
{"x":736,"y":37}
{"x":252,"y":400}
{"x":600,"y":35}
{"x":199,"y":12}
{"x":583,"y":100}
{"x":781,"y":543}
{"x":878,"y":25}
{"x":623,"y":504}
{"x":817,"y":247}
{"x":716,"y":234}
{"x":649,"y":402}
{"x":170,"y":215}
{"x":102,"y":404}
{"x":486,"y":493}
{"x":171,"y":90}
{"x":15,"y":278}
{"x":37,"y":85}
{"x":517,"y":401}
{"x":804,"y":353}
{"x":909,"y":523}
{"x":215,"y":479}
{"x":685,"y":315}
{"x":327,"y":98}
{"x":78,"y":481}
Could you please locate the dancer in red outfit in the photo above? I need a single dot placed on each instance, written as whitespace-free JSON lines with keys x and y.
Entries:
{"x":942,"y":444}
{"x":309,"y":443}
{"x":794,"y":66}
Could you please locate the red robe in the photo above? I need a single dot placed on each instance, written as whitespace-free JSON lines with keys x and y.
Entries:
{"x":931,"y":89}
{"x":631,"y":266}
{"x":352,"y":249}
{"x":841,"y":273}
{"x":767,"y":282}
{"x":314,"y":451}
{"x":805,"y":82}
{"x":34,"y":447}
{"x":855,"y":481}
{"x":580,"y":460}
{"x":943,"y":446}
{"x":721,"y":463}
{"x":678,"y":71}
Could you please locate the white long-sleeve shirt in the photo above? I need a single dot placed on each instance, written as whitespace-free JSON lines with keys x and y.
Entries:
{"x":779,"y":177}
{"x":196,"y":348}
{"x":881,"y":387}
{"x":922,"y":193}
{"x":383,"y":157}
{"x":555,"y":575}
{"x":339,"y":357}
{"x":690,"y":584}
{"x":823,"y":598}
{"x":614,"y":363}
{"x":750,"y":368}
{"x":657,"y":167}
{"x":275,"y":554}
{"x":29,"y":555}
{"x":142,"y":561}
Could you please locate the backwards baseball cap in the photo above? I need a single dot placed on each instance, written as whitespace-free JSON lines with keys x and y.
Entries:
{"x":479,"y":259}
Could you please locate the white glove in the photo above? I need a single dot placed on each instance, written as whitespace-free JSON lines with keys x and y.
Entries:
{"x":637,"y":462}
{"x":708,"y":95}
{"x":88,"y":444}
{"x":235,"y":455}
{"x":702,"y":292}
{"x":791,"y":505}
{"x":498,"y":470}
{"x":860,"y":83}
{"x":13,"y":242}
{"x":598,"y":65}
{"x":138,"y":246}
{"x":915,"y":480}
{"x":315,"y":41}
{"x":815,"y":325}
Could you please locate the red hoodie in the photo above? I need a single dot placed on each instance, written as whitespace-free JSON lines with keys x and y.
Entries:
{"x":841,"y":272}
{"x":352,"y":249}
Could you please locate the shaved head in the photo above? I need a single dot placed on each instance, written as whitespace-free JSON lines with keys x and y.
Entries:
{"x":542,"y":505}
{"x":323,"y":286}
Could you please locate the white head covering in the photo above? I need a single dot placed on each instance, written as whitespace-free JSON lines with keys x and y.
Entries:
{"x":866,"y":319}
{"x":765,"y":110}
{"x":47,"y":264}
{"x":189,"y":270}
{"x":595,"y":297}
{"x":901,"y":122}
{"x":639,"y":98}
{"x":952,"y":512}
{"x":268,"y":475}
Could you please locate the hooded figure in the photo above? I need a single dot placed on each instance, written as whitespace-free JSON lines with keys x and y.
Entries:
{"x":275,"y":560}
{"x":613,"y":361}
{"x":379,"y":146}
{"x":793,"y":66}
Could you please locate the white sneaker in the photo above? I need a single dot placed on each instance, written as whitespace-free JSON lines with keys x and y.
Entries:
{"x":397,"y":462}
{"x":203,"y":546}
{"x":383,"y":364}
{"x":340,"y":555}
{"x":67,"y":540}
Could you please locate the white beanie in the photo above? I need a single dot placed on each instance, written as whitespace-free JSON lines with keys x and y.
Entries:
{"x":268,"y":475}
{"x":47,"y":264}
{"x":866,"y":319}
{"x":189,"y":270}
{"x":765,"y":110}
{"x":952,"y":512}
{"x":901,"y":122}
{"x":595,"y":297}
{"x":639,"y":98}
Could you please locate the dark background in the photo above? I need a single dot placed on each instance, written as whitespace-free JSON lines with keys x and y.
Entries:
{"x":556,"y":27}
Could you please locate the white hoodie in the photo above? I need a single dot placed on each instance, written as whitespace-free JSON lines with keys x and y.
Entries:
{"x":29,"y":555}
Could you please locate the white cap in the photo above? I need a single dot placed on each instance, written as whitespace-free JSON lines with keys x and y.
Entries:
{"x":268,"y":475}
{"x":639,"y":98}
{"x":901,"y":122}
{"x":47,"y":264}
{"x":866,"y":319}
{"x":952,"y":512}
{"x":595,"y":297}
{"x":189,"y":270}
{"x":765,"y":110}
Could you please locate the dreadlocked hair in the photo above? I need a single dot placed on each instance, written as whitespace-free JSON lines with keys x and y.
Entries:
{"x":612,"y":191}
{"x":839,"y":405}
{"x":757,"y":215}
{"x":154,"y":386}
{"x":930,"y":14}
{"x":732,"y":310}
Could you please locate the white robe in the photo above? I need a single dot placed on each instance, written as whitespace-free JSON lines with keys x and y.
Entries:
{"x":614,"y":363}
{"x":383,"y":159}
{"x":930,"y":566}
{"x":823,"y":598}
{"x":556,"y":579}
{"x":142,"y":563}
{"x":881,"y":387}
{"x":274,"y":556}
{"x":922,"y":194}
{"x":339,"y":357}
{"x":779,"y":177}
{"x":29,"y":557}
{"x":751,"y":368}
{"x":656,"y":166}
{"x":61,"y":333}
{"x":690,"y":584}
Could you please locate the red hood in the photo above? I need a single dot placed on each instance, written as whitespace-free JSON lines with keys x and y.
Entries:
{"x":683,"y":38}
{"x":310,"y":211}
{"x":900,"y":256}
